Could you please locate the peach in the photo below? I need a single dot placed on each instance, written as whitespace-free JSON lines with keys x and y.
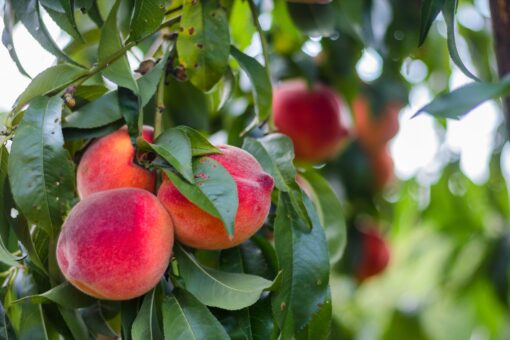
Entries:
{"x":374,"y":132}
{"x":196,"y":228}
{"x":116,"y":244}
{"x":311,"y":118}
{"x":108,"y":164}
{"x":375,"y":254}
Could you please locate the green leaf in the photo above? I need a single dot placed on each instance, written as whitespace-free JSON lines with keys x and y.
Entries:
{"x":51,"y":80}
{"x":77,"y":134}
{"x":40,"y":171}
{"x":96,"y":321}
{"x":313,"y":19}
{"x":429,"y":11}
{"x":5,"y":256}
{"x":129,"y":104}
{"x":20,"y":227}
{"x":241,"y":24}
{"x":330,"y":212}
{"x":200,"y":146}
{"x":145,"y":326}
{"x":184,"y":317}
{"x":128,"y":312}
{"x":203,"y":44}
{"x":260,"y":82}
{"x":148,"y":83}
{"x":66,"y":19}
{"x":147,"y":17}
{"x":64,"y":295}
{"x":303,"y":259}
{"x":28,"y":12}
{"x":27,"y":319}
{"x":6,"y":330}
{"x":460,"y":101}
{"x":215,"y":288}
{"x":75,"y":323}
{"x":214,"y":191}
{"x":110,"y":43}
{"x":9,"y":22}
{"x":174,"y":146}
{"x":319,"y":326}
{"x":275,"y":154}
{"x":105,"y":110}
{"x":449,"y":16}
{"x":100,"y":112}
{"x":186,"y":105}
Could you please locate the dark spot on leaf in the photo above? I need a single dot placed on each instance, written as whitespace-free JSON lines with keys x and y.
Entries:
{"x":282,"y":306}
{"x":196,"y":65}
{"x":194,"y":2}
{"x":200,"y":45}
{"x":181,"y":29}
{"x":191,"y":30}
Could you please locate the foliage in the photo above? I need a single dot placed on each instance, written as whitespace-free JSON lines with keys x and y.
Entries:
{"x":207,"y":73}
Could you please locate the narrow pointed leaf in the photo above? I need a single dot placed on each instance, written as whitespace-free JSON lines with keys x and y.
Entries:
{"x":303,"y":259}
{"x":200,"y":146}
{"x":215,"y":288}
{"x":147,"y":17}
{"x":214,"y":191}
{"x":145,"y":326}
{"x":449,"y":16}
{"x":184,"y":317}
{"x":174,"y":146}
{"x":110,"y":43}
{"x":100,"y":112}
{"x":64,"y":295}
{"x":29,"y":14}
{"x":459,"y":102}
{"x":429,"y":11}
{"x":41,"y":173}
{"x":51,"y":80}
{"x":260,"y":83}
{"x":7,"y":37}
{"x":330,"y":213}
{"x":274,"y":155}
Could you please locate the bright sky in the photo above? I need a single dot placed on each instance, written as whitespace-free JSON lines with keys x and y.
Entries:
{"x":417,"y":150}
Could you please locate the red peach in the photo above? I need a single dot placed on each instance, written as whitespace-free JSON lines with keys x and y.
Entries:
{"x":108,"y":164}
{"x":196,"y":228}
{"x":311,"y":118}
{"x":375,"y":254}
{"x":116,"y":244}
{"x":374,"y":132}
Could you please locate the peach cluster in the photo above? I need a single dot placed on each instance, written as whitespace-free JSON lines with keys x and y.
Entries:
{"x":117,"y":241}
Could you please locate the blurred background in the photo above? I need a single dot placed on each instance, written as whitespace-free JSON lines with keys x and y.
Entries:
{"x":444,"y":218}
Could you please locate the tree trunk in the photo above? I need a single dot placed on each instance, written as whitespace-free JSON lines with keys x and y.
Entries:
{"x":500,"y":12}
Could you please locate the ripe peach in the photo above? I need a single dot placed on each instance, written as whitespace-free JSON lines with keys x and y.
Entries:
{"x":116,"y":244}
{"x":108,"y":164}
{"x":196,"y":228}
{"x":375,"y":254}
{"x":374,"y":132}
{"x":311,"y":118}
